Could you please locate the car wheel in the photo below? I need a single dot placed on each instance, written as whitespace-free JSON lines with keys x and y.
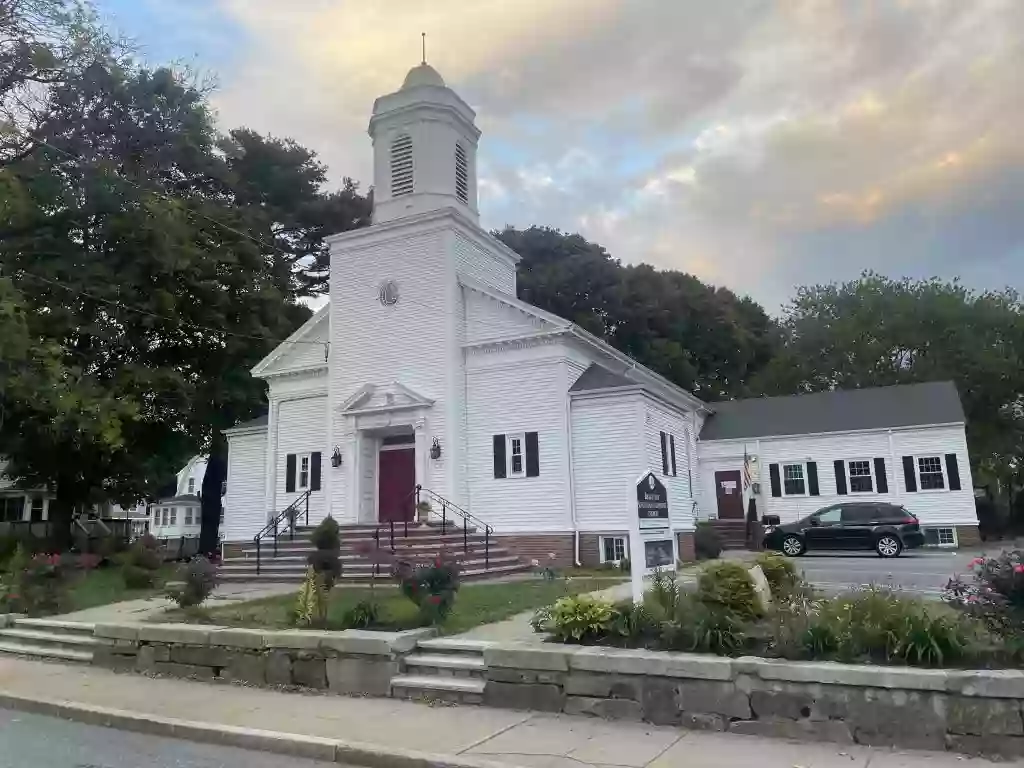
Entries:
{"x":888,"y":545}
{"x":793,"y":546}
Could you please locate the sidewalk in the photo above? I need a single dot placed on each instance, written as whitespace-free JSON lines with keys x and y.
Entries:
{"x":470,"y":733}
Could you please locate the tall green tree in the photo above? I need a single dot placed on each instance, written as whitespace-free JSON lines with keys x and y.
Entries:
{"x":705,"y":339}
{"x":133,"y":261}
{"x":282,"y":185}
{"x":876,"y":331}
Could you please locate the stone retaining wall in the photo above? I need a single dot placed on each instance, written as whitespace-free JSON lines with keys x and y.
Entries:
{"x":977,"y":712}
{"x":349,"y":662}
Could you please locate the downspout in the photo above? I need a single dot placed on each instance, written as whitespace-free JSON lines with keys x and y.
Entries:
{"x":572,"y":482}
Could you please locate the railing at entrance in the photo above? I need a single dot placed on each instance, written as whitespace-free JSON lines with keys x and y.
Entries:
{"x":449,"y":514}
{"x":291,"y":514}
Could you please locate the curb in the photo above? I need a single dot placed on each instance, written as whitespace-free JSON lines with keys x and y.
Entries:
{"x":288,"y":744}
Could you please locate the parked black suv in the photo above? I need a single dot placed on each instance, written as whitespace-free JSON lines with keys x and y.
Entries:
{"x":886,"y":528}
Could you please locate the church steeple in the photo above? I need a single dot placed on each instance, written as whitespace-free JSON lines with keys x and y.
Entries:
{"x":424,"y":147}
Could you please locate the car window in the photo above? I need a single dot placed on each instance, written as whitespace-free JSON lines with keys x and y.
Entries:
{"x":831,"y":515}
{"x":862,"y":514}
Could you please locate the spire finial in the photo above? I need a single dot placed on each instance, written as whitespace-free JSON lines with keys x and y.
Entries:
{"x":424,"y":35}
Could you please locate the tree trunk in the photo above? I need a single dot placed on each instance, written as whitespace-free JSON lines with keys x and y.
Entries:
{"x":213,"y":482}
{"x":61,"y":513}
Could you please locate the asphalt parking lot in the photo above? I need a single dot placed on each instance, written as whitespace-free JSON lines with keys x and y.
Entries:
{"x":921,"y":571}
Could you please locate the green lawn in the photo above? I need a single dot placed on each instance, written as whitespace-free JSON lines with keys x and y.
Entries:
{"x":476,"y":604}
{"x":106,"y":585}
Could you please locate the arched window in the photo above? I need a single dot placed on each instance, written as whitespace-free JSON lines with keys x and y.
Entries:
{"x":401,"y":166}
{"x":461,"y":174}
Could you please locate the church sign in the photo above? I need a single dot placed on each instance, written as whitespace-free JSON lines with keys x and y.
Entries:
{"x":651,"y":502}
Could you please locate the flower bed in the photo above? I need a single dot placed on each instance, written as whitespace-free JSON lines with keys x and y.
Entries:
{"x":979,"y":625}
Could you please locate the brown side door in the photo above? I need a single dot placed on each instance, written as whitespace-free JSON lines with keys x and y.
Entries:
{"x":729,"y":493}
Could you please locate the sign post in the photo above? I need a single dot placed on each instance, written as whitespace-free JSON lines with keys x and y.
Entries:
{"x":652,"y":544}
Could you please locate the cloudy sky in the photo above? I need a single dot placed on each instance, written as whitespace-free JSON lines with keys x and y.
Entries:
{"x":759,"y":144}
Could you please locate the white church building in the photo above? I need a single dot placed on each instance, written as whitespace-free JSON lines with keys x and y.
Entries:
{"x":425,"y":369}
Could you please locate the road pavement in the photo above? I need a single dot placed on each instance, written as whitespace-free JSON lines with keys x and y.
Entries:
{"x":48,"y":742}
{"x":923,"y":571}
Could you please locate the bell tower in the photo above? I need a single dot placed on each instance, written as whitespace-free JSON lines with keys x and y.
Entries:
{"x":424,"y":149}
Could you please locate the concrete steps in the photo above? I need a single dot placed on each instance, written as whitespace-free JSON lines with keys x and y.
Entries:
{"x":49,"y":639}
{"x":732,"y":532}
{"x":443,"y":670}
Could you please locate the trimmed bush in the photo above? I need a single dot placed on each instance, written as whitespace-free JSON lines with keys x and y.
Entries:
{"x":196,"y":581}
{"x":327,"y":535}
{"x":136,"y":577}
{"x":707,"y":544}
{"x":326,"y":560}
{"x":730,"y":586}
{"x":431,"y":587}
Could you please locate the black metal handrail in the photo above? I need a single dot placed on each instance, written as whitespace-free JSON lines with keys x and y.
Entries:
{"x":291,"y":513}
{"x":421,"y":494}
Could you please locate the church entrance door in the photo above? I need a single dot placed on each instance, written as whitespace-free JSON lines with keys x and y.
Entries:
{"x":396,"y":478}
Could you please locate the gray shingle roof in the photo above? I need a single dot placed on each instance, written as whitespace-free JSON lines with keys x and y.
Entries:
{"x":843,"y":410}
{"x":262,"y":421}
{"x":598,"y":377}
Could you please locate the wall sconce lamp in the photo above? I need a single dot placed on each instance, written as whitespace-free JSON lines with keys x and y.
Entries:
{"x":336,"y":457}
{"x":435,"y":449}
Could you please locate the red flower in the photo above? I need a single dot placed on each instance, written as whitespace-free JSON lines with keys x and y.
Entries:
{"x":977,"y":561}
{"x":1019,"y":568}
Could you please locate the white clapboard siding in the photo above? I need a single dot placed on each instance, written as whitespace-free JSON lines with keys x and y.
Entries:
{"x":517,"y":392}
{"x":607,"y":457}
{"x":487,"y":318}
{"x":302,"y":428}
{"x":487,"y":268}
{"x":657,"y":419}
{"x":244,"y":502}
{"x":932,"y":507}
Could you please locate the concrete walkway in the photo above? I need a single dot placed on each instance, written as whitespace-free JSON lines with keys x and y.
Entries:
{"x":152,"y":607}
{"x":477,"y":733}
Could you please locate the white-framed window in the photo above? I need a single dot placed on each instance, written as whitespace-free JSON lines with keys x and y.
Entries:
{"x":931,"y":475}
{"x":188,"y":515}
{"x":166,"y":516}
{"x":613,"y":549}
{"x":303,"y":479}
{"x":12,"y":509}
{"x":38,"y":510}
{"x":515,"y":450}
{"x":940,"y":537}
{"x":191,"y":485}
{"x":860,"y":474}
{"x":794,"y":480}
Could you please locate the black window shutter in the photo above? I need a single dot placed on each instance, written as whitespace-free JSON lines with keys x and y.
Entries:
{"x":812,"y":479}
{"x":881,"y":478}
{"x":953,"y":471}
{"x":908,"y":474}
{"x":499,"y":456}
{"x":840,"y":466}
{"x":314,"y":480}
{"x":773,"y":473}
{"x":532,"y":458}
{"x":672,"y":446}
{"x":664,"y":454}
{"x":289,"y":473}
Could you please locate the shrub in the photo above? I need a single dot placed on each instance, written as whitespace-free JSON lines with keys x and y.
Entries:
{"x":140,"y":565}
{"x":707,"y":543}
{"x":782,"y":575}
{"x":994,"y":594}
{"x":730,"y":586}
{"x":327,"y":535}
{"x":8,"y":546}
{"x":634,"y":624}
{"x":928,"y":641}
{"x":196,"y":581}
{"x":431,"y":587}
{"x":311,"y":603}
{"x":708,"y":627}
{"x":662,"y":597}
{"x":363,"y":614}
{"x":35,"y":585}
{"x":577,"y":619}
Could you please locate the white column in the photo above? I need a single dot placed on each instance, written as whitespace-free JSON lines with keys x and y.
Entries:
{"x":353,"y":456}
{"x":422,"y":453}
{"x":270,"y":491}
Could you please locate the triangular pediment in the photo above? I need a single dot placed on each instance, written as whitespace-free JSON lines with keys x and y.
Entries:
{"x":384,"y":397}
